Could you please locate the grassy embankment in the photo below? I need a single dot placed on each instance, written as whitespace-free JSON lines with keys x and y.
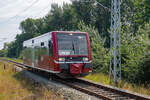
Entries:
{"x":104,"y":79}
{"x":14,"y":59}
{"x":14,"y":86}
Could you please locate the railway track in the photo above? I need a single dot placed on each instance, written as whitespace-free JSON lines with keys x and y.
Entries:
{"x":94,"y":89}
{"x":101,"y":91}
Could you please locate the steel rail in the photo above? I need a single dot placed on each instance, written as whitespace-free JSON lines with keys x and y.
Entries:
{"x":83,"y":89}
{"x":90,"y":88}
{"x":115,"y":90}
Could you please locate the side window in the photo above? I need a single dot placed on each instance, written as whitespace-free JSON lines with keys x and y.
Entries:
{"x":50,"y":44}
{"x":42,"y":44}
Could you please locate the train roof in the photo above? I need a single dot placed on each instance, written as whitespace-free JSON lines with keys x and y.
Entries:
{"x":69,"y":32}
{"x":39,"y":36}
{"x":49,"y":34}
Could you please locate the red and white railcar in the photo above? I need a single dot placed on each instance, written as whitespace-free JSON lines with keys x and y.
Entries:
{"x":59,"y":52}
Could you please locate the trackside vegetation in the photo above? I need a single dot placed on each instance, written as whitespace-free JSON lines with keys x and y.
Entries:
{"x":15,"y":86}
{"x":92,"y":18}
{"x":104,"y":79}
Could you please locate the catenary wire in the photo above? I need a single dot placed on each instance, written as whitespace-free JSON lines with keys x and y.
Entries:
{"x":24,"y":10}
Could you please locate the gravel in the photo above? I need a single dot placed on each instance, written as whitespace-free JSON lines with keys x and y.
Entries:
{"x":67,"y":92}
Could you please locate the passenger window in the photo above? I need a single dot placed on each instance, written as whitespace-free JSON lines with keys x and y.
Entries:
{"x":42,"y":43}
{"x":25,"y":47}
{"x":50,"y":48}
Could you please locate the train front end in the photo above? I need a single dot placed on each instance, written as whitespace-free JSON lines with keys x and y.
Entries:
{"x":73,"y":53}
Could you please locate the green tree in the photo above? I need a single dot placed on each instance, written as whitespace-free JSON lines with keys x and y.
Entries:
{"x":2,"y":53}
{"x":11,"y":50}
{"x":54,"y":19}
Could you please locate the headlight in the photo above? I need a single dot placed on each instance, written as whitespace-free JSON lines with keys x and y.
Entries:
{"x":85,"y":59}
{"x":61,"y":59}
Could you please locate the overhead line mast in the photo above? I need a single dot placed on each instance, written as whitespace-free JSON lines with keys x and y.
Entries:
{"x":115,"y":41}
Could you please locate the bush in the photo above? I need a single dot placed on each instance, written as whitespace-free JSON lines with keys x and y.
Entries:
{"x":133,"y":49}
{"x":144,"y":70}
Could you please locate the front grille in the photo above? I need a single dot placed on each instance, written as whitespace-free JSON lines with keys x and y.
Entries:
{"x":67,"y":59}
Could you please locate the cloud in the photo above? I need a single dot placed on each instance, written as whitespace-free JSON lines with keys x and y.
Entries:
{"x":14,"y":11}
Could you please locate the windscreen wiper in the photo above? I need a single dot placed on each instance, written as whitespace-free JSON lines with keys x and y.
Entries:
{"x":73,"y":48}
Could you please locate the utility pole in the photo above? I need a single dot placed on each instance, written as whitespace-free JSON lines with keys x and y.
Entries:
{"x":115,"y":57}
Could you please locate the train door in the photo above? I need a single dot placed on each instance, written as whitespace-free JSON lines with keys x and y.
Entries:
{"x":32,"y":53}
{"x":36,"y":56}
{"x":51,"y":57}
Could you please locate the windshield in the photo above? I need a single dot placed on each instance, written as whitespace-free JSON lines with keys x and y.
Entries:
{"x":72,"y":44}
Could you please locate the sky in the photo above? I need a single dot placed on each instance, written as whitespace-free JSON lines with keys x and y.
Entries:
{"x":12,"y":12}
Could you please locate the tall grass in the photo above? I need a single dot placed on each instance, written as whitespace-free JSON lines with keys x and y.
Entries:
{"x":104,"y":79}
{"x":14,"y":86}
